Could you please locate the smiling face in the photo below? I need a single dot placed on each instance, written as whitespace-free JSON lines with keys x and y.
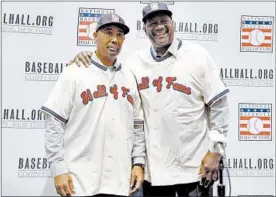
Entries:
{"x":109,"y":41}
{"x":160,"y":30}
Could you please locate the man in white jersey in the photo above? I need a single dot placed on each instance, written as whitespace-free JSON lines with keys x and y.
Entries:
{"x":185,"y":106}
{"x":95,"y":141}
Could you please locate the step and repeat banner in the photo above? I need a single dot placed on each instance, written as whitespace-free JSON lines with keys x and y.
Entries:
{"x":40,"y":38}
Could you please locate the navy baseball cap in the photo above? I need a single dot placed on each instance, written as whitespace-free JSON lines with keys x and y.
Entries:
{"x":154,"y":8}
{"x":112,"y":19}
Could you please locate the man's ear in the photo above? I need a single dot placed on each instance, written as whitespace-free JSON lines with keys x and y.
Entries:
{"x":144,"y":28}
{"x":95,"y":35}
{"x":173,"y":24}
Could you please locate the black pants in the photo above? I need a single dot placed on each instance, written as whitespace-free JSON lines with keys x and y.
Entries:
{"x":187,"y":190}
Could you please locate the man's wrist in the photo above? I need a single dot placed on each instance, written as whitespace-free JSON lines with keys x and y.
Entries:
{"x":58,"y":168}
{"x":139,"y":165}
{"x":138,"y":159}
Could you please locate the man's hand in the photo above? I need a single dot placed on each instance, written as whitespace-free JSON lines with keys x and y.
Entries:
{"x":209,"y":168}
{"x":64,"y":185}
{"x":83,"y":57}
{"x":137,"y":179}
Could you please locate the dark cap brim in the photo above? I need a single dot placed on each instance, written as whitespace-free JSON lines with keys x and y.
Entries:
{"x":120,"y":25}
{"x":151,"y":14}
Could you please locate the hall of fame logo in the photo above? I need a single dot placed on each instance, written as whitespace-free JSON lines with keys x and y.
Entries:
{"x":256,"y":34}
{"x":255,"y":122}
{"x":88,"y":18}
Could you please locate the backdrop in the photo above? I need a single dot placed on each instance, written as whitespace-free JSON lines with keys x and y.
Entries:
{"x":40,"y":38}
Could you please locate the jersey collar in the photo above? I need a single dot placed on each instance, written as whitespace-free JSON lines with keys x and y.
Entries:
{"x":97,"y":62}
{"x":172,"y":51}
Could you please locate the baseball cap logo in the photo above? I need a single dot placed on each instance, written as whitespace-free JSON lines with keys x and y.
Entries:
{"x":154,"y":6}
{"x":115,"y":18}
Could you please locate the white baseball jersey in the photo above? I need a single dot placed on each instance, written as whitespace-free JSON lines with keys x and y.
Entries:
{"x":174,"y":91}
{"x":99,"y":106}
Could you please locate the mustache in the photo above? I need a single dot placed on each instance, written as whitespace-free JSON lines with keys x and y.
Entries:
{"x":161,"y":31}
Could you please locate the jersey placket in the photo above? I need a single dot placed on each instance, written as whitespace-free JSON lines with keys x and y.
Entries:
{"x":109,"y":159}
{"x":159,"y":71}
{"x":155,"y":135}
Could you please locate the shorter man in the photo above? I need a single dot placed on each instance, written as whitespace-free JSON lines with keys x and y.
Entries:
{"x":94,"y":127}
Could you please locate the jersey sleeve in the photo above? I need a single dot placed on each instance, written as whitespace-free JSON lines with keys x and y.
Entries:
{"x":61,"y":98}
{"x":213,"y":86}
{"x":139,"y":143}
{"x":129,"y":67}
{"x":54,"y":136}
{"x":137,"y":110}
